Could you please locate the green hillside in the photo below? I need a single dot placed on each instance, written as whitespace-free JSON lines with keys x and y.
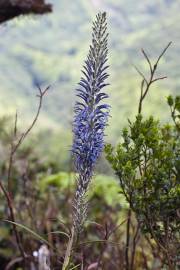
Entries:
{"x":51,"y":49}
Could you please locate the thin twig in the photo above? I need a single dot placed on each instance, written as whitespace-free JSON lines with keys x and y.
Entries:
{"x":128,"y":238}
{"x":158,"y":79}
{"x":147,"y":58}
{"x":141,"y":74}
{"x":163,"y":52}
{"x":106,"y":237}
{"x":135,"y":241}
{"x":23,"y":136}
{"x":146,"y":83}
{"x":14,"y":147}
{"x":12,"y":218}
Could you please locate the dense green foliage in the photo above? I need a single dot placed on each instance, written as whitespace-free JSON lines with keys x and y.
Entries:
{"x":51,"y":49}
{"x":148,"y":166}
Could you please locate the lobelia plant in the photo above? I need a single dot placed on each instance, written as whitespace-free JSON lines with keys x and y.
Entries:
{"x":90,"y":120}
{"x":90,"y":116}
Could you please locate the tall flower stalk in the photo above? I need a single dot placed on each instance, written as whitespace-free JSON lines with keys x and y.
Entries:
{"x":91,"y":116}
{"x":90,"y":120}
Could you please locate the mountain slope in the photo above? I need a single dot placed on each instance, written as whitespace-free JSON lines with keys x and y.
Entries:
{"x":51,"y":49}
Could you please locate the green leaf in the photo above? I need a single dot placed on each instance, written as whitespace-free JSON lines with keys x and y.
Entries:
{"x":74,"y":267}
{"x":60,"y":232}
{"x":36,"y":235}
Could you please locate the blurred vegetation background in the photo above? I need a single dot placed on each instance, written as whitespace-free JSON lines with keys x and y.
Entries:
{"x":51,"y":49}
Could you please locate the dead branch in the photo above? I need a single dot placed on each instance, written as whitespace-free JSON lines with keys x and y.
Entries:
{"x":14,"y":147}
{"x":146,"y":83}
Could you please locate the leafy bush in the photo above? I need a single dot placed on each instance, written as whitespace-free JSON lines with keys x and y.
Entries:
{"x":148,"y":167}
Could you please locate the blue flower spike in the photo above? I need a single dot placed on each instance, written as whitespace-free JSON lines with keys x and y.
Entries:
{"x":91,"y":116}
